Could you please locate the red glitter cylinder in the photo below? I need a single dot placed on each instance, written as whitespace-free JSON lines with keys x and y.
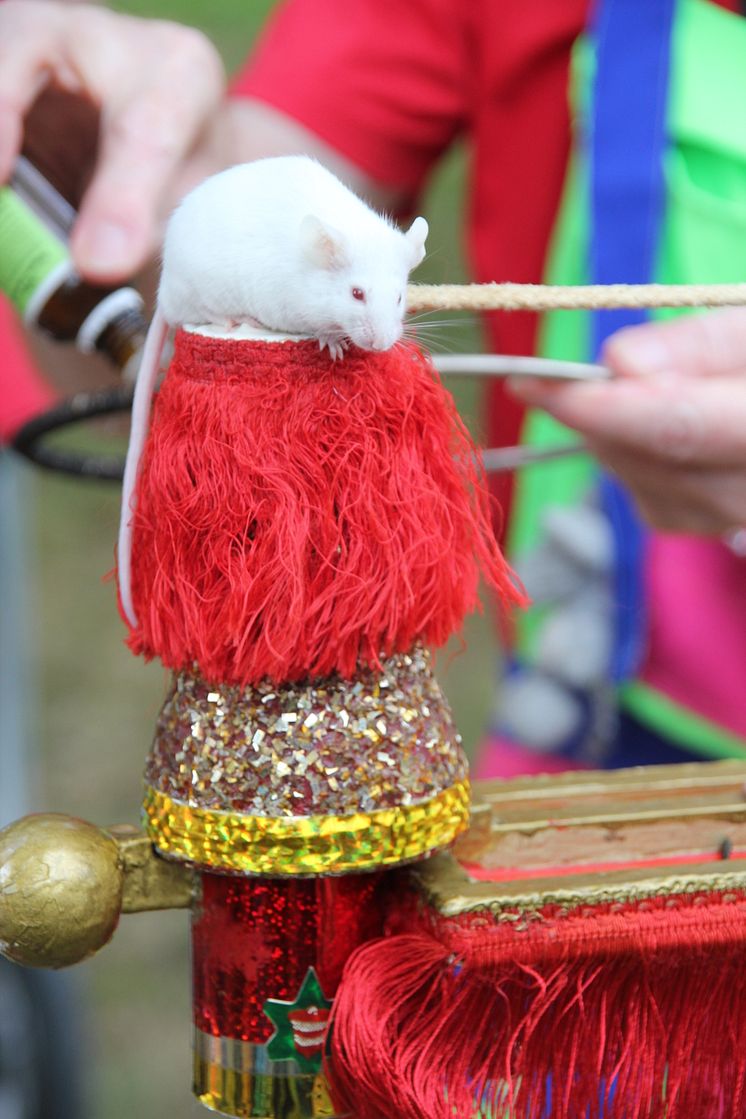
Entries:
{"x":268,"y":955}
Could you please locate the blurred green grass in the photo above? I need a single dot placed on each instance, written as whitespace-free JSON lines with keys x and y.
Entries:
{"x":97,"y":703}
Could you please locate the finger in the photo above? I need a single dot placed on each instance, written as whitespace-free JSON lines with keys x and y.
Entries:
{"x":664,"y":515}
{"x":701,"y":422}
{"x":144,"y":140}
{"x":711,"y":344}
{"x":673,"y":499}
{"x":115,"y":232}
{"x":29,"y":54}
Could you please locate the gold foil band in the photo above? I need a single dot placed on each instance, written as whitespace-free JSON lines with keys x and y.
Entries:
{"x":234,"y":1077}
{"x":297,"y":845}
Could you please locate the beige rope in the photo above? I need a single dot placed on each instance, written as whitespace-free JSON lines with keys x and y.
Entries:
{"x":539,"y":297}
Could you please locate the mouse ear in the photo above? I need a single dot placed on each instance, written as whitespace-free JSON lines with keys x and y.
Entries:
{"x":322,"y":245}
{"x":416,"y":235}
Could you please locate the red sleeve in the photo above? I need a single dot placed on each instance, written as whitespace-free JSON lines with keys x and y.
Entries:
{"x":384,"y":82}
{"x":23,"y":393}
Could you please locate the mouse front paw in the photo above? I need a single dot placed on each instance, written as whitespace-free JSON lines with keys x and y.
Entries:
{"x":335,"y":345}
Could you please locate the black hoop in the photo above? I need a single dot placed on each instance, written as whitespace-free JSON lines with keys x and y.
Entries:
{"x":29,"y":439}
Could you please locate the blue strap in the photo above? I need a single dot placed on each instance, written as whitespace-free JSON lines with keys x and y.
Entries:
{"x":626,"y":140}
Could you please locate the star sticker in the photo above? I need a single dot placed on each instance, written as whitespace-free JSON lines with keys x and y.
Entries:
{"x":300,"y":1026}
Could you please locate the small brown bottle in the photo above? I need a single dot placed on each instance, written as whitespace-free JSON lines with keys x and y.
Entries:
{"x":38,"y":276}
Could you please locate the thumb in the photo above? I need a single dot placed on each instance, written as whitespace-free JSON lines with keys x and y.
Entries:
{"x":707,"y":345}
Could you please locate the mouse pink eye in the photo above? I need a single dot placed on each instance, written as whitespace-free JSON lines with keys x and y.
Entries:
{"x":359,"y":294}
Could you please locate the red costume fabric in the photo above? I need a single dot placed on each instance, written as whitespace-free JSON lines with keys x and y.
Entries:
{"x":297,"y":517}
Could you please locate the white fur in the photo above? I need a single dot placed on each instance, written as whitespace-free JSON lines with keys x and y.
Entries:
{"x":284,"y":243}
{"x":280,"y":243}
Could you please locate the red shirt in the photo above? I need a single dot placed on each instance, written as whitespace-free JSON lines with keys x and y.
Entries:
{"x":390,"y":83}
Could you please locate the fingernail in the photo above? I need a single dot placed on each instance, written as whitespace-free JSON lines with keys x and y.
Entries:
{"x":643,"y":351}
{"x":107,"y":248}
{"x":514,"y":384}
{"x":530,"y":386}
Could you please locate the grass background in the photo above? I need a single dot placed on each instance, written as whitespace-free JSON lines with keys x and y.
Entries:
{"x":97,"y":703}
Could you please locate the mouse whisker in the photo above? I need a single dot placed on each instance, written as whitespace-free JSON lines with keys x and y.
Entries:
{"x":455,"y":317}
{"x":420,"y":320}
{"x":424,"y":336}
{"x":433,"y":344}
{"x":420,"y":334}
{"x":413,"y":330}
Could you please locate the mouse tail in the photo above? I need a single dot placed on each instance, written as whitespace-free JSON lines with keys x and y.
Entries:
{"x":144,"y":389}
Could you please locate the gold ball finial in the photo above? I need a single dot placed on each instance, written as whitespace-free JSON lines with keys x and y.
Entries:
{"x":60,"y":890}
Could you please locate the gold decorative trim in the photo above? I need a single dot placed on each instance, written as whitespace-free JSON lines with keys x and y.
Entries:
{"x":448,"y":888}
{"x":260,"y":1095}
{"x":298,"y":845}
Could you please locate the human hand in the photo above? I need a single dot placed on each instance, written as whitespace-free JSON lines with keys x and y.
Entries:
{"x":159,"y":87}
{"x":672,"y":422}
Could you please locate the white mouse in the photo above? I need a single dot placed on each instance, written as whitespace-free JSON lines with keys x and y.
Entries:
{"x":280,"y":244}
{"x":283,"y":243}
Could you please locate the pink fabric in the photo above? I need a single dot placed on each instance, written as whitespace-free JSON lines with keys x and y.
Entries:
{"x":497,"y":757}
{"x":697,"y":646}
{"x":23,"y":393}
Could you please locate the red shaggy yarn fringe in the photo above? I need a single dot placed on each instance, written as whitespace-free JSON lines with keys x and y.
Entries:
{"x":296,"y":516}
{"x":624,"y":1011}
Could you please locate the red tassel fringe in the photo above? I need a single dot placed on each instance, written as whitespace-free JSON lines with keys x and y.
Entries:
{"x":625,"y":1011}
{"x":295,"y":516}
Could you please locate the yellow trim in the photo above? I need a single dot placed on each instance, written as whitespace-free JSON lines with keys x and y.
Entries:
{"x":260,"y":1095}
{"x":297,"y":845}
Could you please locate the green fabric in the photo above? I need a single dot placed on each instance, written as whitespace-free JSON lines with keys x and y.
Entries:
{"x":692,"y":732}
{"x":704,"y":241}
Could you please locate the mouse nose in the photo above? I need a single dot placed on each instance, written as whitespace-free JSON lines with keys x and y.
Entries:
{"x":385,"y":339}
